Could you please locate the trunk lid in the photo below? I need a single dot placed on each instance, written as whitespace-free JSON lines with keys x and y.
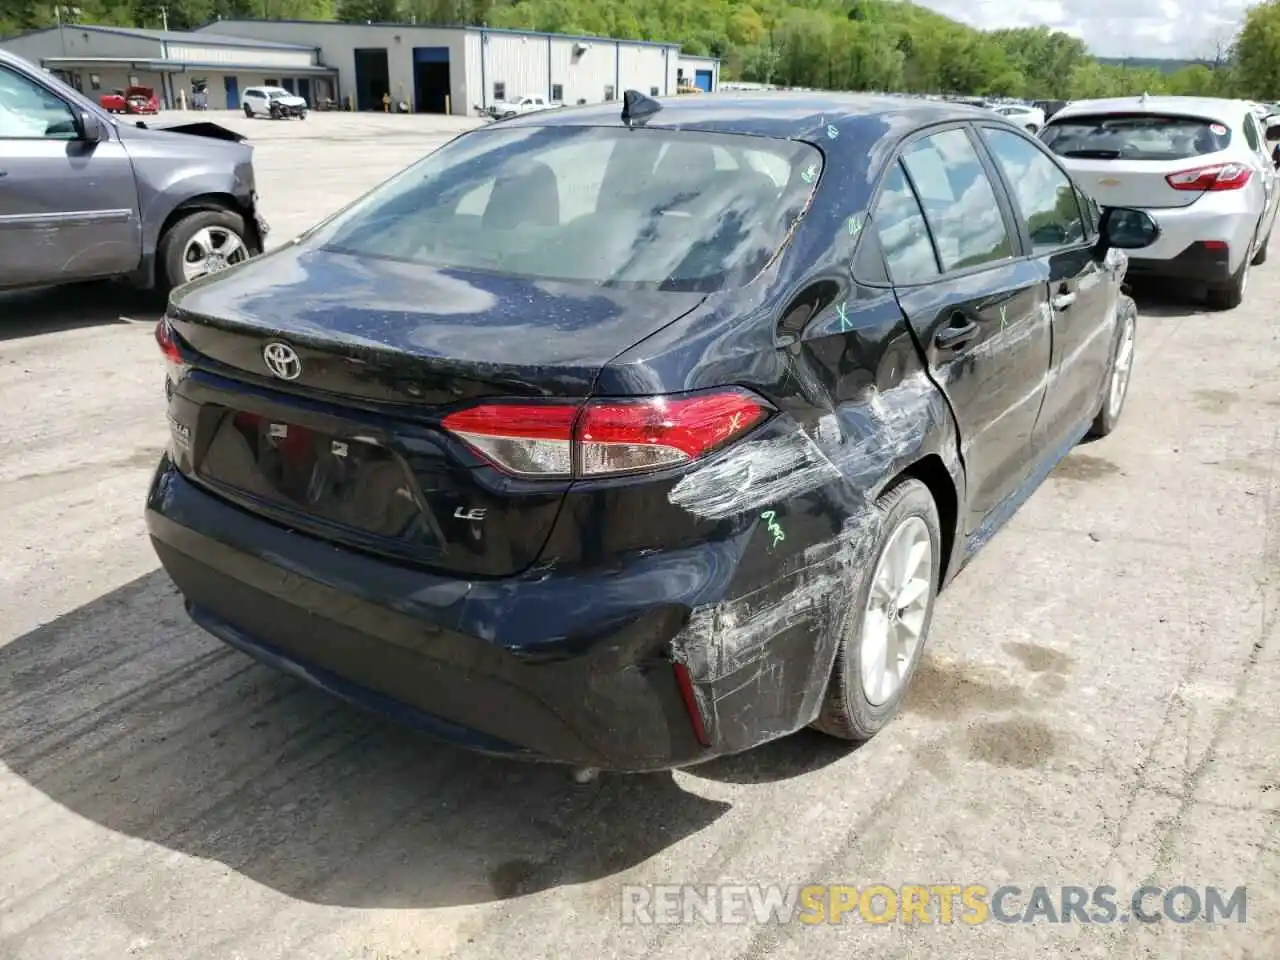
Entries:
{"x":1143,"y":184}
{"x":350,"y":447}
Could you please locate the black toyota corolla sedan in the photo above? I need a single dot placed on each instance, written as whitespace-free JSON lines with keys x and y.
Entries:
{"x":632,"y":435}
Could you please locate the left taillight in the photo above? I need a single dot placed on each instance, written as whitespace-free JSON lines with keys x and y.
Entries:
{"x":167,"y":341}
{"x":606,"y":437}
{"x":1219,"y":176}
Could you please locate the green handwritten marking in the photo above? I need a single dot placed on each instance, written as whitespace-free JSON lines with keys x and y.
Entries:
{"x":1004,"y":319}
{"x":775,"y":528}
{"x":810,"y":173}
{"x":832,"y":132}
{"x":855,"y":225}
{"x":842,"y":311}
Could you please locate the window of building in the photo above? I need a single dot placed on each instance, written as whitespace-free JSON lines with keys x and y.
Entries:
{"x":499,"y":90}
{"x":95,"y":82}
{"x":557,"y":93}
{"x":608,"y":92}
{"x":904,"y":238}
{"x":959,"y":201}
{"x":272,"y":82}
{"x":653,"y":91}
{"x":1045,"y":196}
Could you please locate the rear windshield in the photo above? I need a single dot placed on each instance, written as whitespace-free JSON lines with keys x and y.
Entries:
{"x":672,"y":210}
{"x":1135,"y":137}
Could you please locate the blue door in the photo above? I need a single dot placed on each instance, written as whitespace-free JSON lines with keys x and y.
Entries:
{"x":232,"y":86}
{"x":702,"y":80}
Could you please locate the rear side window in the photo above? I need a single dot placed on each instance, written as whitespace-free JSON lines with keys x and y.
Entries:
{"x":1251,"y":133}
{"x":904,"y":237}
{"x":1135,"y":137}
{"x":671,"y":210}
{"x":958,"y":200}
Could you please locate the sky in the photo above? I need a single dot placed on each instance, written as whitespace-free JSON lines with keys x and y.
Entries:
{"x":1175,"y":29}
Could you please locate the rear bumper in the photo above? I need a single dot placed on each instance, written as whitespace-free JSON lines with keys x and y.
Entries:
{"x":1226,"y":218}
{"x":568,"y":669}
{"x":1197,"y":263}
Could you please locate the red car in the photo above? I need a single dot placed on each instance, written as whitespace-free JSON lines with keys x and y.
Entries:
{"x":133,"y":100}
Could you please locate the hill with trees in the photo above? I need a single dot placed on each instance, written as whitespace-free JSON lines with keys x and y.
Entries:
{"x":833,"y":44}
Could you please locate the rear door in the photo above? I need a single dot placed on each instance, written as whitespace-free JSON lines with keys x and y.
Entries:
{"x":68,"y":208}
{"x":1082,"y":293}
{"x":977,"y":307}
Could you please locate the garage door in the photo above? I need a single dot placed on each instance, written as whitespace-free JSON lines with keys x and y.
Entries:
{"x":702,"y":80}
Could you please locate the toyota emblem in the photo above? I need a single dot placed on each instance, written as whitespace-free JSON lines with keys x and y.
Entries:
{"x":282,"y":360}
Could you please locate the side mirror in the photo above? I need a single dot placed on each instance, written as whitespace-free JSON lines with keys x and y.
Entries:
{"x":1123,"y":228}
{"x":90,"y":127}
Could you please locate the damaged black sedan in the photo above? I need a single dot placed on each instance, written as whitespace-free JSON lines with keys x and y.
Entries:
{"x":632,"y":439}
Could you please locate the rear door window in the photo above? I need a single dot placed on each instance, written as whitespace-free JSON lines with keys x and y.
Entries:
{"x":959,"y":200}
{"x":1136,"y":137}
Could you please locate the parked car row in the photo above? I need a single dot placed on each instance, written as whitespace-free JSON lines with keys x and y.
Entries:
{"x":637,"y":434}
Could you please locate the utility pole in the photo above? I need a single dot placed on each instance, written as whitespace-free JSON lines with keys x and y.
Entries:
{"x":164,"y":18}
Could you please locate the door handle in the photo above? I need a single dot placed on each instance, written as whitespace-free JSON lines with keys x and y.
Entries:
{"x":957,"y":333}
{"x":1063,"y":300}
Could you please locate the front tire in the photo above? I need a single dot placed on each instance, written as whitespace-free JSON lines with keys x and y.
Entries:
{"x":202,"y":242}
{"x":1119,"y":370}
{"x":888,"y":621}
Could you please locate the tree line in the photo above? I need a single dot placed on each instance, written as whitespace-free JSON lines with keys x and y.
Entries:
{"x":886,"y":45}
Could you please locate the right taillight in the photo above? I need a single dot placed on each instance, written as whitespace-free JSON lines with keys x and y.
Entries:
{"x":1220,"y":176}
{"x":607,"y":437}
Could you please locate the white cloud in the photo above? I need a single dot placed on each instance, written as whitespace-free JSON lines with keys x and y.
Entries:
{"x":1191,"y":29}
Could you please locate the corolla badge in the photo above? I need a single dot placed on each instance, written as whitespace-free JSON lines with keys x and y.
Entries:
{"x":282,"y":360}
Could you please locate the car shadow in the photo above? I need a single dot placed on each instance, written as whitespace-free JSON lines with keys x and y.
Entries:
{"x":30,"y":313}
{"x":1167,"y":299}
{"x":125,"y":714}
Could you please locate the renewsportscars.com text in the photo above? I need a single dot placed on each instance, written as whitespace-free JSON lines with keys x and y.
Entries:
{"x":940,"y":903}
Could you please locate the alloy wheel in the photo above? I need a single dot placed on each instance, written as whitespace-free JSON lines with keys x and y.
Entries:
{"x":897,"y":603}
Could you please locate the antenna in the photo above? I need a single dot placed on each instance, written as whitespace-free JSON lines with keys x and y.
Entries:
{"x":637,"y":108}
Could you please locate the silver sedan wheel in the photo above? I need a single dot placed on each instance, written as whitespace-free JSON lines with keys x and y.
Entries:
{"x":210,"y":250}
{"x":893,"y":622}
{"x":1121,"y":370}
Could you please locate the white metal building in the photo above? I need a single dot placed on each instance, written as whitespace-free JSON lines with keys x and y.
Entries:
{"x":97,"y":60}
{"x":459,"y":69}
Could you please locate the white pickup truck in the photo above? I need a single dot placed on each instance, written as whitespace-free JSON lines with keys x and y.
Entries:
{"x":505,"y":109}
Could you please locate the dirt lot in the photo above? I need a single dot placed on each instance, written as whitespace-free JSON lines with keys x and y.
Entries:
{"x":1099,"y":706}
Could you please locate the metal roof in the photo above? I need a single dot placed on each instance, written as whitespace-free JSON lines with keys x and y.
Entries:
{"x":172,"y":36}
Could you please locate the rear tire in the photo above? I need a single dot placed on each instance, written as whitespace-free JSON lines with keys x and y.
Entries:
{"x":1230,"y":295}
{"x":1119,"y":371}
{"x":906,"y":511}
{"x":248,"y":111}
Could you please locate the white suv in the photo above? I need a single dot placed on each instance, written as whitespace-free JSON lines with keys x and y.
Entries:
{"x":274,"y":102}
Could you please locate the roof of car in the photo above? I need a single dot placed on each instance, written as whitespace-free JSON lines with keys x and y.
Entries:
{"x":1211,"y":108}
{"x":763,"y":113}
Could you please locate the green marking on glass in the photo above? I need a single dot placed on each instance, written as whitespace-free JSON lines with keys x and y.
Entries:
{"x":842,"y":311}
{"x":810,"y":173}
